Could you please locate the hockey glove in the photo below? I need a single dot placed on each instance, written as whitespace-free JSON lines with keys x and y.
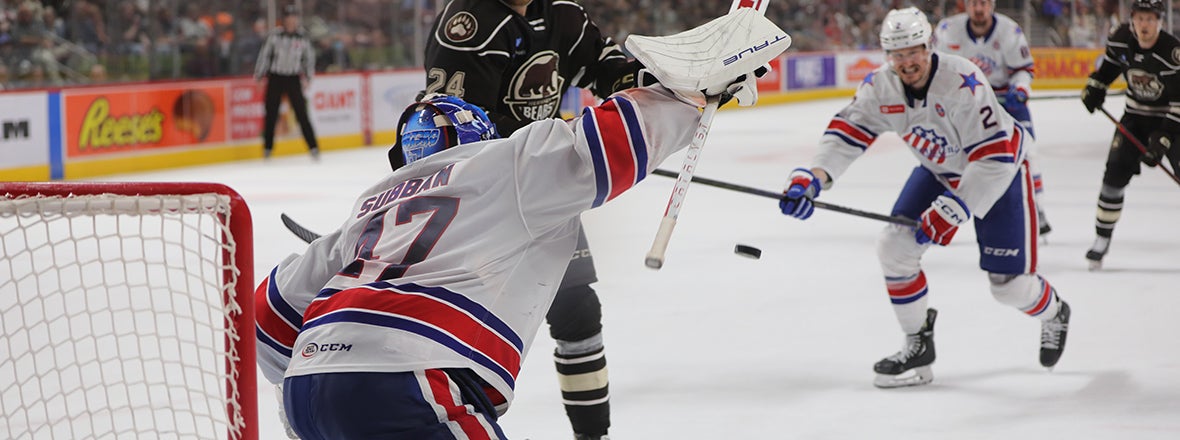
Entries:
{"x":802,"y":186}
{"x":1093,"y":95}
{"x":1016,"y":94}
{"x":1158,"y":144}
{"x":1015,"y":101}
{"x":942,"y":219}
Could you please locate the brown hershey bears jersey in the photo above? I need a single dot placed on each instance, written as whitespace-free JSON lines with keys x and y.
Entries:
{"x":1153,"y":80}
{"x":517,"y":67}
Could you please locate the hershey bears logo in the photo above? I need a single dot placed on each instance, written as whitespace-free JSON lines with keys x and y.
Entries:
{"x":461,"y":27}
{"x":1144,"y":85}
{"x":535,"y":90}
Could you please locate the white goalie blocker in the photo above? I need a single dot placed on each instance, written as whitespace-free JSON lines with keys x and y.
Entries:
{"x":709,"y":59}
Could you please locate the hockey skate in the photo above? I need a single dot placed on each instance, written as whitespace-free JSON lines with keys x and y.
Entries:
{"x":916,"y":355}
{"x":1053,"y":334}
{"x":1097,"y":251}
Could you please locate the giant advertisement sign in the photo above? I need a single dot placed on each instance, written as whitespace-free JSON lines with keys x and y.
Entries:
{"x":335,"y":104}
{"x":117,"y":120}
{"x":24,"y":129}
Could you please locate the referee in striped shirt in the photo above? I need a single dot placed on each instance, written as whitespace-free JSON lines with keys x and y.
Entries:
{"x":287,"y":64}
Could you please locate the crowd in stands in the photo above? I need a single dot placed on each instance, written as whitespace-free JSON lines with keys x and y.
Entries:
{"x":51,"y":43}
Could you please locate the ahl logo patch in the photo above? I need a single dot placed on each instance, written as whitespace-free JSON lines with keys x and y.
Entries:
{"x":309,"y":350}
{"x":461,"y":27}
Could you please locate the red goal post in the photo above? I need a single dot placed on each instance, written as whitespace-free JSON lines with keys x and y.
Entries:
{"x":126,"y":311}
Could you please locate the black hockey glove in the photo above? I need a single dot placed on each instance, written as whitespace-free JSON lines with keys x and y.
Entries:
{"x":1158,"y":144}
{"x":1093,"y":95}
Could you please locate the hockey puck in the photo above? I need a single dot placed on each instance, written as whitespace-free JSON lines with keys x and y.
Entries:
{"x":747,"y":251}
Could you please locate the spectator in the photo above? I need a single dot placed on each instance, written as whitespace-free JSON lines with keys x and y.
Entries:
{"x":4,"y":81}
{"x":85,"y":27}
{"x":132,"y":40}
{"x":193,"y":30}
{"x":246,"y":47}
{"x":29,"y":35}
{"x":97,"y":74}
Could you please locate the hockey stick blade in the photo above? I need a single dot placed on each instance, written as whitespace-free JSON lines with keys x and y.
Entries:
{"x":897,"y":220}
{"x":303,"y":233}
{"x":1142,"y":149}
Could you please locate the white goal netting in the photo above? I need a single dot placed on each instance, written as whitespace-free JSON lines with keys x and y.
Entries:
{"x":120,"y":317}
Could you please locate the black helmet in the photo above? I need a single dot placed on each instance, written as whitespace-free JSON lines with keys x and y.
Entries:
{"x":1156,"y":6}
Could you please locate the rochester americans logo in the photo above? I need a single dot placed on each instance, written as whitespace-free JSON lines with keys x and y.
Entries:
{"x":929,"y":143}
{"x":535,"y":91}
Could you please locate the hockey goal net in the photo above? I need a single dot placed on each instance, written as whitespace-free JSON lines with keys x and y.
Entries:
{"x":125,"y":312}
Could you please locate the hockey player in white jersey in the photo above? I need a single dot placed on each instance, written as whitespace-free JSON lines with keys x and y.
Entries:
{"x":972,"y":166}
{"x":412,"y":320}
{"x":997,"y":44}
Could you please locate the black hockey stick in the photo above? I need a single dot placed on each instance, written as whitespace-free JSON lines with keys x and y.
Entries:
{"x":1078,"y":97}
{"x":1142,"y":149}
{"x":897,"y":220}
{"x":297,"y":229}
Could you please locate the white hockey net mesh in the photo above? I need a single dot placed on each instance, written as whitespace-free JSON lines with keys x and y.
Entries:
{"x":116,"y":317}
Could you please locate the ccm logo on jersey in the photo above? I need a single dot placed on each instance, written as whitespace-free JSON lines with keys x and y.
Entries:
{"x":312,"y":348}
{"x":891,"y":109}
{"x":757,"y":47}
{"x":1001,"y":252}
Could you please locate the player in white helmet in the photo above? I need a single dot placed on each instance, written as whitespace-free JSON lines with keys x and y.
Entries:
{"x":972,"y":166}
{"x":998,"y":46}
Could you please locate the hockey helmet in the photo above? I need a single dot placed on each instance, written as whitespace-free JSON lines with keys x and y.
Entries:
{"x":435,"y":123}
{"x":1156,"y":6}
{"x":905,"y":28}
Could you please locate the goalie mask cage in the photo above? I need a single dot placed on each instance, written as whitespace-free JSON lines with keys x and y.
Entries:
{"x":126,"y":312}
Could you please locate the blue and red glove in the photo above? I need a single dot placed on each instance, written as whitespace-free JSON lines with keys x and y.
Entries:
{"x":942,"y":219}
{"x":802,"y":186}
{"x":1016,"y":94}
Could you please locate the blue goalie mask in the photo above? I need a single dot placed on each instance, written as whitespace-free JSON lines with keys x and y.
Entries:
{"x":436,"y":123}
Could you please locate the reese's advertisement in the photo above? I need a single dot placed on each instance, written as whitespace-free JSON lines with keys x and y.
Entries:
{"x":115,"y":121}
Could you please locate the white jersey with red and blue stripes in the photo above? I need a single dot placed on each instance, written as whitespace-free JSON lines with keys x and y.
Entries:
{"x":452,"y":261}
{"x":1002,"y":53}
{"x":957,"y":130}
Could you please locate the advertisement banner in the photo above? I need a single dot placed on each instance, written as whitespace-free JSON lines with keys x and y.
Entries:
{"x":854,"y":66}
{"x":811,"y":71}
{"x":1063,"y":66}
{"x":335,"y":104}
{"x":246,"y":110}
{"x":392,"y":92}
{"x":24,"y":129}
{"x":773,"y":82}
{"x":118,"y":120}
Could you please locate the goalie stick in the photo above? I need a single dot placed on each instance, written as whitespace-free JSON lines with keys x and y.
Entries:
{"x":1142,"y":149}
{"x":677,"y":62}
{"x":897,"y":220}
{"x":297,"y":229}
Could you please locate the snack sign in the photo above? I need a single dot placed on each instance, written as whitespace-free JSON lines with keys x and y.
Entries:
{"x":120,"y":120}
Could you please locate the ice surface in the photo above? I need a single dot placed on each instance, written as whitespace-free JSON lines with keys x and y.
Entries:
{"x":719,"y":346}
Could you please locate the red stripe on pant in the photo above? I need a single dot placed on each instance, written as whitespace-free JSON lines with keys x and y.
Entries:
{"x":440,"y":390}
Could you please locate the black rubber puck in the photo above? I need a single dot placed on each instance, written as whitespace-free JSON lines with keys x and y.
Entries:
{"x":747,"y":251}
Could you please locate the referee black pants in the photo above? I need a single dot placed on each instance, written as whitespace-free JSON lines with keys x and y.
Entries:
{"x":276,"y":87}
